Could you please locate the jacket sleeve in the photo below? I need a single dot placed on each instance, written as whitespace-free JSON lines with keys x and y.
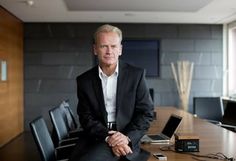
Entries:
{"x":90,"y":119}
{"x":143,"y":113}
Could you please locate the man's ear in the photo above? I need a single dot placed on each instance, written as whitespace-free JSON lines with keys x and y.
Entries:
{"x":120,"y":50}
{"x":94,"y":50}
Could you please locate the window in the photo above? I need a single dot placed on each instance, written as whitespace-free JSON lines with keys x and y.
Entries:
{"x":231,"y":81}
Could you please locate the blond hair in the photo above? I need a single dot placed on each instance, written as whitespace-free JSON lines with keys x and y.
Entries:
{"x":105,"y":29}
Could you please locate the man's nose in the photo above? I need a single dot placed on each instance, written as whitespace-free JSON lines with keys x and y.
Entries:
{"x":109,"y":49}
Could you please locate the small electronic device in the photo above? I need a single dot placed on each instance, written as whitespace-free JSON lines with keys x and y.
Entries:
{"x":185,"y":142}
{"x":160,"y":156}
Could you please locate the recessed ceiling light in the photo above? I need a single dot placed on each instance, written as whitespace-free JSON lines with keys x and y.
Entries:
{"x":30,"y":2}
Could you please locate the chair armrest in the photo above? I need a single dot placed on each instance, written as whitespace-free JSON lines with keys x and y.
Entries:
{"x":232,"y":127}
{"x":63,"y":160}
{"x":68,"y":141}
{"x":214,"y":122}
{"x":75,"y":133}
{"x":63,"y":152}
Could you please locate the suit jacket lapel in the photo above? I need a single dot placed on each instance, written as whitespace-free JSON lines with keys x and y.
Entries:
{"x":97,"y":85}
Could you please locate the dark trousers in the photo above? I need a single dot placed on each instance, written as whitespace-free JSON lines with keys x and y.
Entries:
{"x":88,"y":149}
{"x":95,"y":152}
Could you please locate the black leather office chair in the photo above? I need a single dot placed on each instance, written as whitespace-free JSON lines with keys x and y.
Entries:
{"x":229,"y":119}
{"x":44,"y":142}
{"x":151,"y":91}
{"x":209,"y":108}
{"x":68,"y":116}
{"x":60,"y":129}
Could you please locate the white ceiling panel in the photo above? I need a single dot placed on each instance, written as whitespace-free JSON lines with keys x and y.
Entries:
{"x":137,"y":5}
{"x":124,"y":11}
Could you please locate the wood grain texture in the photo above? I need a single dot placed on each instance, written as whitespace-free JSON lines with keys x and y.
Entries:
{"x":213,"y":139}
{"x":11,"y":91}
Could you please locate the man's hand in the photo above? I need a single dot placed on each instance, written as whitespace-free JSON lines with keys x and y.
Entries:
{"x":117,"y":138}
{"x":119,"y":143}
{"x":121,"y":150}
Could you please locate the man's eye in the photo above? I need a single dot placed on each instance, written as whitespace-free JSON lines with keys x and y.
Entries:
{"x":102,"y":46}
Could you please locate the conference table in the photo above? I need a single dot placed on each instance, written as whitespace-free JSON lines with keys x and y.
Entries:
{"x":212,"y":138}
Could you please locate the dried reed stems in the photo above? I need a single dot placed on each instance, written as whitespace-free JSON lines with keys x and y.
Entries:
{"x":183,"y":78}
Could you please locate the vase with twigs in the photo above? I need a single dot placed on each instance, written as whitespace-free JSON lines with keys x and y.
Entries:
{"x":183,"y":72}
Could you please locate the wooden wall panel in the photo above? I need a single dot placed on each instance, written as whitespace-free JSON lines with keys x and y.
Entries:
{"x":11,"y":91}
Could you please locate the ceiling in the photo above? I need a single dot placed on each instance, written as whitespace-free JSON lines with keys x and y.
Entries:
{"x":124,"y":11}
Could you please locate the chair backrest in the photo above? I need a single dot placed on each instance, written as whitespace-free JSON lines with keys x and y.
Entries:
{"x":68,"y":116}
{"x":151,"y":91}
{"x":72,"y":125}
{"x":43,"y":139}
{"x":58,"y":123}
{"x":229,"y":114}
{"x":208,"y":108}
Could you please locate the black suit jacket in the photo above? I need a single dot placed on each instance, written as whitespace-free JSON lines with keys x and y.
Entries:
{"x":134,"y":106}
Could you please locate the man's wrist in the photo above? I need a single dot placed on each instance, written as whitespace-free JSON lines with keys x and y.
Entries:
{"x":128,"y":139}
{"x":106,"y":139}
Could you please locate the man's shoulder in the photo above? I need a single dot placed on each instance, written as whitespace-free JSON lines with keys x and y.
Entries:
{"x":88,"y":74}
{"x":132,"y":68}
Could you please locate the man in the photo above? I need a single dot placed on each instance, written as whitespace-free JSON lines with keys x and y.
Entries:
{"x":114,"y":107}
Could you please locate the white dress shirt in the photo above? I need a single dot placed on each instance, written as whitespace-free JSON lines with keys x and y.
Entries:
{"x":109,"y":86}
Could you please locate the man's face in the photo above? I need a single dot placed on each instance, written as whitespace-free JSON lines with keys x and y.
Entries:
{"x":108,"y":48}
